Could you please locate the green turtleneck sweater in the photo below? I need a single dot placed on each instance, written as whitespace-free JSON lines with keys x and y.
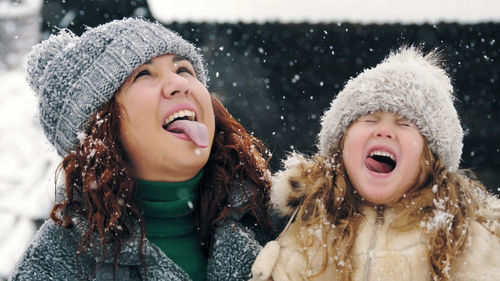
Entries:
{"x":168,"y":212}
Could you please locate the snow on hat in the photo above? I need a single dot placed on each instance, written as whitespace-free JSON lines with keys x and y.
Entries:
{"x":75,"y":76}
{"x":410,"y":84}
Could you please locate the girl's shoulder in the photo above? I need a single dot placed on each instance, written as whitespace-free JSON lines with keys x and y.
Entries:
{"x":480,"y":259}
{"x":489,"y":214}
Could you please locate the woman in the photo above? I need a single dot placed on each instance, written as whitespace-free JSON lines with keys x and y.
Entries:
{"x":160,"y":182}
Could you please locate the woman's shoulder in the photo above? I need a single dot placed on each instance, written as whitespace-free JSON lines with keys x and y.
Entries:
{"x":234,"y":250}
{"x":238,"y":238}
{"x":52,"y":251}
{"x":53,"y":236}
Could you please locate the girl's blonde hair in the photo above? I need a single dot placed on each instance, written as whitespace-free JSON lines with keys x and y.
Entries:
{"x":332,"y":204}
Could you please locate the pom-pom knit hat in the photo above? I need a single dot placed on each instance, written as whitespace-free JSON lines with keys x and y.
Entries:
{"x":75,"y":76}
{"x":409,"y":84}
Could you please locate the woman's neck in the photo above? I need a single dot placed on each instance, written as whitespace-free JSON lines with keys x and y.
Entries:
{"x":163,"y":191}
{"x":168,"y":212}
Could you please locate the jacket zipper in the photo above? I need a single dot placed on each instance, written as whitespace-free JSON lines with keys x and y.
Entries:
{"x":373,"y":239}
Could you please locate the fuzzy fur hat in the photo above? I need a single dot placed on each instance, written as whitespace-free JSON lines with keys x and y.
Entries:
{"x":410,"y":84}
{"x":75,"y":76}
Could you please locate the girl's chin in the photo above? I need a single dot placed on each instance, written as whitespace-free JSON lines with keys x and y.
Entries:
{"x":378,"y":196}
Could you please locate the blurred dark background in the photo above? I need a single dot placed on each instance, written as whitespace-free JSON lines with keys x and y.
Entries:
{"x":278,"y":78}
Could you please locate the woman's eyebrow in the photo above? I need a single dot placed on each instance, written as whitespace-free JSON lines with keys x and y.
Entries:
{"x":179,"y":58}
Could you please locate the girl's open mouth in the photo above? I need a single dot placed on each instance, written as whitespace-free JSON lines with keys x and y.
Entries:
{"x":381,"y":162}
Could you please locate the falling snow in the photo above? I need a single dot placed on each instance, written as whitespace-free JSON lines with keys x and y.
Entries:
{"x":284,"y":77}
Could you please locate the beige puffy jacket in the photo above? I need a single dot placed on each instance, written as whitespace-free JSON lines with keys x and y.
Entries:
{"x":380,"y":253}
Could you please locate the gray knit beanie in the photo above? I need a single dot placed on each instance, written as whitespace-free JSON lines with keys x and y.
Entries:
{"x":75,"y":76}
{"x":409,"y":84}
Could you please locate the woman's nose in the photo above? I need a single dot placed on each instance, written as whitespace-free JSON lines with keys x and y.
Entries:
{"x":173,"y":85}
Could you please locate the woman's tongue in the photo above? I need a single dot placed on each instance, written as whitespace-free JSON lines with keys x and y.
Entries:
{"x":195,"y":131}
{"x":377,"y":166}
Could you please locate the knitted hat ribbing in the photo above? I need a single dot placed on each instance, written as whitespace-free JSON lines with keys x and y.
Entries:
{"x":75,"y":76}
{"x":409,"y":84}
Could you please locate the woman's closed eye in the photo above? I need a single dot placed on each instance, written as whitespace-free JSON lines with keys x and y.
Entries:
{"x":184,"y":69}
{"x":141,"y":73}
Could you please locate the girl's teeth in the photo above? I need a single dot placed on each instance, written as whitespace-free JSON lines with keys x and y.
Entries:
{"x":382,"y":153}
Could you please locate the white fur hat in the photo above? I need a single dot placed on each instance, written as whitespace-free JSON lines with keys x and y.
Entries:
{"x":410,"y":84}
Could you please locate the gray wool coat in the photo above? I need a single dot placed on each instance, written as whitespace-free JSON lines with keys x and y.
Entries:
{"x":51,"y":254}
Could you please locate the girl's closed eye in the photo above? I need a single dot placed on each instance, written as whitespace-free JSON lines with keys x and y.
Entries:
{"x":406,"y":123}
{"x":368,"y":119}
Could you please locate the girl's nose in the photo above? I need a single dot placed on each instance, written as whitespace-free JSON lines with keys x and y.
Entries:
{"x":383,"y":131}
{"x":173,"y":85}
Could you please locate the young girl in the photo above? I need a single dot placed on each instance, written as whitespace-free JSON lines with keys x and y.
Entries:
{"x":160,"y":182}
{"x":384,"y":198}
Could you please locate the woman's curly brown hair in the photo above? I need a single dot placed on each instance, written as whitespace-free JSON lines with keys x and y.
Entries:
{"x":100,"y":183}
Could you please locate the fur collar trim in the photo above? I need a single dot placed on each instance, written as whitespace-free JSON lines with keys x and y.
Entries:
{"x":289,"y":186}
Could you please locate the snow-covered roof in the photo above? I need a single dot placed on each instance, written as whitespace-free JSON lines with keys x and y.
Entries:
{"x":323,"y":11}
